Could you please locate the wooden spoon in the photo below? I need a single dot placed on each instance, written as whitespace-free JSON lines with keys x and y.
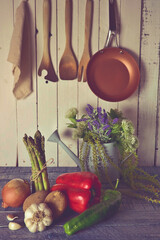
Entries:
{"x":86,"y":52}
{"x":68,"y":63}
{"x":46,"y":62}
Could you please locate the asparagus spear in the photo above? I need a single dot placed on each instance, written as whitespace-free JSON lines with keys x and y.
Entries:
{"x":36,"y":162}
{"x":36,"y":149}
{"x":32,"y":162}
{"x":38,"y":146}
{"x":39,"y":141}
{"x":44,"y":172}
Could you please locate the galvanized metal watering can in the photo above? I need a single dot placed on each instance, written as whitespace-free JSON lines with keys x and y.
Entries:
{"x":56,"y":138}
{"x":112,"y":171}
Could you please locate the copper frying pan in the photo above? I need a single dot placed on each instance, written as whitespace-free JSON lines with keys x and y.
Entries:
{"x":112,"y":73}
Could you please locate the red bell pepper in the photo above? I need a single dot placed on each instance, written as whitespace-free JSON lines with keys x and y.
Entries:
{"x":83,"y":189}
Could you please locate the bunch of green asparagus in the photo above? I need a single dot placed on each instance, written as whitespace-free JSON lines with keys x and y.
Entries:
{"x":36,"y":150}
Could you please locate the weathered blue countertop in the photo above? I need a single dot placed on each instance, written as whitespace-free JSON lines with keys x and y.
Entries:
{"x":136,"y":220}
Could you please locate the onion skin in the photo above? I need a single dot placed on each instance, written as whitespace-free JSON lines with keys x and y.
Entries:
{"x":15,"y":192}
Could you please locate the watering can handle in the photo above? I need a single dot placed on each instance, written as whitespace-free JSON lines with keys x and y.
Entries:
{"x":70,"y":153}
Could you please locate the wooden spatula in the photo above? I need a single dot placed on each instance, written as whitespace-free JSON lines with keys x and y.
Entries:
{"x":87,"y":51}
{"x":46,"y":62}
{"x":68,"y":63}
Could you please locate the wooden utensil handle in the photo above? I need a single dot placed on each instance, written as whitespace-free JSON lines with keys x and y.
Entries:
{"x":46,"y":23}
{"x":88,"y":21}
{"x":68,"y":20}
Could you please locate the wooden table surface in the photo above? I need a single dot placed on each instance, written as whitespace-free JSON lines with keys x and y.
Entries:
{"x":136,"y":219}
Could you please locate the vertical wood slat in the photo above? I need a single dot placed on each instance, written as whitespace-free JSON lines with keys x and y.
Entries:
{"x":85,"y":95}
{"x":26,"y":108}
{"x":104,"y":28}
{"x":47,"y":92}
{"x":8,"y":134}
{"x":67,"y":89}
{"x":157,"y":67}
{"x":149,"y":81}
{"x":157,"y":154}
{"x":130,"y":27}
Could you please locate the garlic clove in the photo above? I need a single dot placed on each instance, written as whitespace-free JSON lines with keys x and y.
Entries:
{"x":11,"y":217}
{"x":47,"y":220}
{"x":33,"y":227}
{"x":48,"y":212}
{"x":28,"y":222}
{"x":41,"y":226}
{"x":14,"y":226}
{"x":34,"y":207}
{"x":42,"y":206}
{"x":29,"y":213}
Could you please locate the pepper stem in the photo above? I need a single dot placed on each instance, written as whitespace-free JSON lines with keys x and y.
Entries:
{"x":116,"y":186}
{"x":92,"y":194}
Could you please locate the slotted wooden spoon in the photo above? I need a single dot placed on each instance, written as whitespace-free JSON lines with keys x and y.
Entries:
{"x":46,"y":62}
{"x":68,"y":63}
{"x":86,"y":52}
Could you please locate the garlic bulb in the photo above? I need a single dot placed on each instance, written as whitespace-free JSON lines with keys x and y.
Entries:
{"x":37,"y":217}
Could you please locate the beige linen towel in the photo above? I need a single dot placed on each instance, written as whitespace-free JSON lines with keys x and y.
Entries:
{"x":20,"y":52}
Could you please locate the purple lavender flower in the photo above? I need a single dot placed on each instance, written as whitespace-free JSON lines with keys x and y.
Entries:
{"x":115,"y":120}
{"x":96,"y":123}
{"x":99,"y":113}
{"x":104,"y":119}
{"x":104,"y":111}
{"x":105,"y":115}
{"x":105,"y":127}
{"x":82,"y":119}
{"x":99,"y":110}
{"x":109,"y":131}
{"x":90,"y":126}
{"x":89,"y":109}
{"x":100,"y":117}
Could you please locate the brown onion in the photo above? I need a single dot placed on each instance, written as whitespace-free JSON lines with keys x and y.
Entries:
{"x":15,"y":192}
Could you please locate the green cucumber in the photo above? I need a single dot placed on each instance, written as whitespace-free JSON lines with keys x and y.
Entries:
{"x":95,"y":214}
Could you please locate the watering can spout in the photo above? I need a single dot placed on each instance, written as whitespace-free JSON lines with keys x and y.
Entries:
{"x":55,"y":138}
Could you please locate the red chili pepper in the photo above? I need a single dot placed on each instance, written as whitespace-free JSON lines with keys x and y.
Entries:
{"x":82,"y":188}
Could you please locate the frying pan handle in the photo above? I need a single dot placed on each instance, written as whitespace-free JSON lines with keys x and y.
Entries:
{"x":112,"y":24}
{"x":112,"y":17}
{"x":110,"y":37}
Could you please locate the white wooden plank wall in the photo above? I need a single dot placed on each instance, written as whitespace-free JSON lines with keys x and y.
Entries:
{"x":138,"y":32}
{"x":8,"y":105}
{"x":149,"y":87}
